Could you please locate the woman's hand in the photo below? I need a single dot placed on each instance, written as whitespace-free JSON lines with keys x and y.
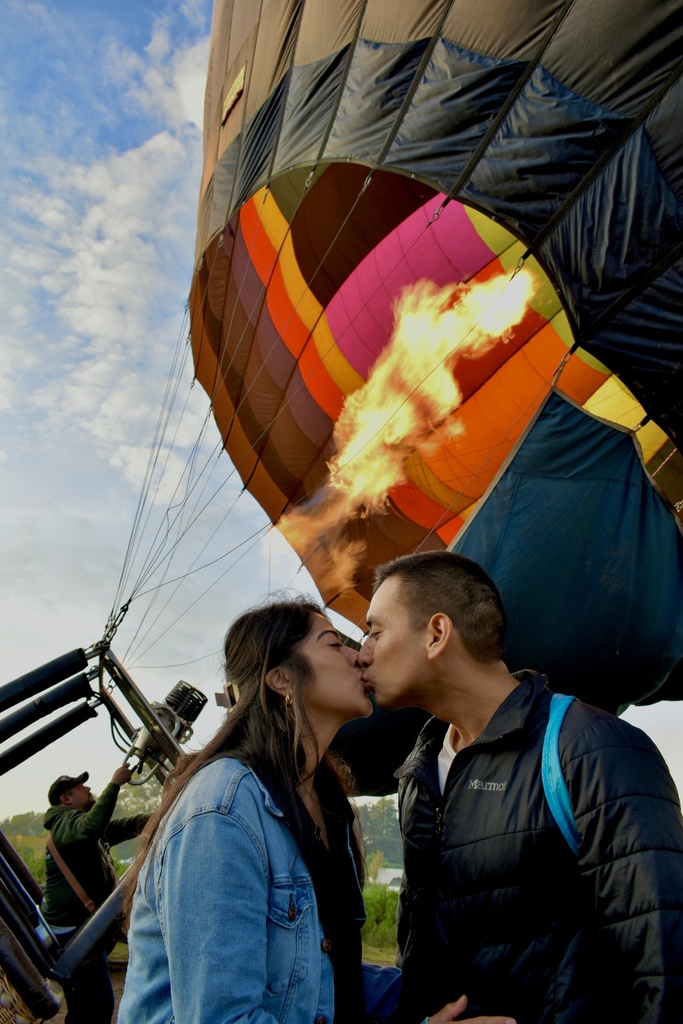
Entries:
{"x":452,"y":1011}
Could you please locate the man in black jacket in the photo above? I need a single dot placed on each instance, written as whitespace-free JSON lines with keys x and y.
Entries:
{"x":494,"y":903}
{"x":82,"y":831}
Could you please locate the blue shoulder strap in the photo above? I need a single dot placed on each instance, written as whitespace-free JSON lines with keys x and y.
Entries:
{"x":554,"y":783}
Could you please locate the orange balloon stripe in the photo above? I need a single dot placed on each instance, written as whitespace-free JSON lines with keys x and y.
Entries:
{"x":420,"y":508}
{"x":261,"y":250}
{"x":286,"y":321}
{"x":319,"y":383}
{"x":420,"y":474}
{"x":449,"y":531}
{"x":285,"y":318}
{"x":297,"y":338}
{"x":496,"y":415}
{"x":579,"y":380}
{"x":205,"y":360}
{"x":206,"y":364}
{"x":488,"y":271}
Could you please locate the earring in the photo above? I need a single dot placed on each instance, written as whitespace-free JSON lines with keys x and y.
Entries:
{"x":288,"y":699}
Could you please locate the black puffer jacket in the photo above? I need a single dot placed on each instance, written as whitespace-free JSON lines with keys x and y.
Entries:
{"x":497,"y":906}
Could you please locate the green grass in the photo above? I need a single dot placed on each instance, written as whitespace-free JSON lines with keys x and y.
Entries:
{"x":384,"y":957}
{"x":119,"y":952}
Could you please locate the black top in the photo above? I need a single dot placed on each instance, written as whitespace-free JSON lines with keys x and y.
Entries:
{"x":339,"y":900}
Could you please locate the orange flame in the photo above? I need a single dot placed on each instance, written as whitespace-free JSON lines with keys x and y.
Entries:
{"x":407,"y":404}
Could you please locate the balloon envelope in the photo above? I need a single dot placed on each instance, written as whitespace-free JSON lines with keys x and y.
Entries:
{"x":350,"y":154}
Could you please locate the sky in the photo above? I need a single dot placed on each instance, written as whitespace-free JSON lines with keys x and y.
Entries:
{"x":101,"y":107}
{"x":101,"y":114}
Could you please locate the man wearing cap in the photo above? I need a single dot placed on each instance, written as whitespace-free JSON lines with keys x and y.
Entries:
{"x":82,"y":831}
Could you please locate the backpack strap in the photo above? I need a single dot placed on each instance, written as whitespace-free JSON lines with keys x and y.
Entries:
{"x":554,"y":784}
{"x":70,"y":877}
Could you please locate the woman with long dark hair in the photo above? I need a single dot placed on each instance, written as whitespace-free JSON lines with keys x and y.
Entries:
{"x":245,"y":899}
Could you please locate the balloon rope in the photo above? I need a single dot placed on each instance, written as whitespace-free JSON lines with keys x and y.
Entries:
{"x":255,"y":537}
{"x":679,"y":504}
{"x":162,"y":421}
{"x":155,"y":558}
{"x":563,"y":362}
{"x":156,"y":589}
{"x":167,"y":403}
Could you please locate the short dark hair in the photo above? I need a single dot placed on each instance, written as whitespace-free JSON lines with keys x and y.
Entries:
{"x":442,"y":581}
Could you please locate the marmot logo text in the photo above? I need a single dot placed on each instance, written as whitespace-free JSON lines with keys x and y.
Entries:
{"x":496,"y":787}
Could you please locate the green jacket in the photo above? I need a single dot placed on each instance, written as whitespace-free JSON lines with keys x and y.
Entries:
{"x":83,"y":839}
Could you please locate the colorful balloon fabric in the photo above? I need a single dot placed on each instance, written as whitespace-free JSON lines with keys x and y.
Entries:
{"x":351,"y":150}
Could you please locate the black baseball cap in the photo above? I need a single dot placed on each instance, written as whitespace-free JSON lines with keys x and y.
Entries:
{"x":62,"y":785}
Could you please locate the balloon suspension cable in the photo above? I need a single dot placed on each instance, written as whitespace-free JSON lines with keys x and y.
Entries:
{"x":567,"y":356}
{"x":679,"y":504}
{"x":113,"y":625}
{"x":563,"y":362}
{"x":309,"y":180}
{"x":365,"y":184}
{"x":520,"y":264}
{"x":439,"y":210}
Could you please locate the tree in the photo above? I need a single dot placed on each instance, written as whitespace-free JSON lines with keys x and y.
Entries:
{"x":374,"y":865}
{"x":379,"y":821}
{"x":138,"y":799}
{"x":30,"y":823}
{"x":134,"y":800}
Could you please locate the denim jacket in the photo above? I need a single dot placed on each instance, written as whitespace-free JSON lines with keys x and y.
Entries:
{"x":224,"y":927}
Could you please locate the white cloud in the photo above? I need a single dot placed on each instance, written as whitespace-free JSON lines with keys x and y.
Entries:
{"x":169,"y":83}
{"x":194,"y":12}
{"x":99,"y":198}
{"x":109,"y":273}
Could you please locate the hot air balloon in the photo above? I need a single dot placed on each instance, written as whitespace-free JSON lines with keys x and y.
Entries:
{"x":364,"y":162}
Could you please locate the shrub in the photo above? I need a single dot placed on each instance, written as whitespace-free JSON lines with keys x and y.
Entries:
{"x":379,"y":930}
{"x":33,"y":857}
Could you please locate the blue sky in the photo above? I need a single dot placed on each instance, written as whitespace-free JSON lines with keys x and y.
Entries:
{"x":101,"y":113}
